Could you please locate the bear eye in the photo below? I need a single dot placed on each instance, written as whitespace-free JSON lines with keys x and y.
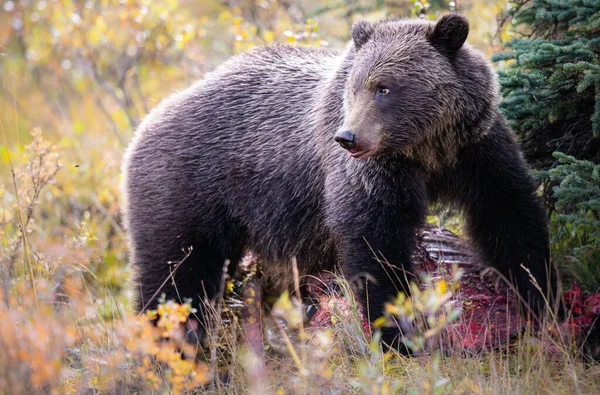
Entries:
{"x":382,"y":90}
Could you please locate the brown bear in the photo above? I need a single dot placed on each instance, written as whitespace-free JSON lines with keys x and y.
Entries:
{"x":333,"y":158}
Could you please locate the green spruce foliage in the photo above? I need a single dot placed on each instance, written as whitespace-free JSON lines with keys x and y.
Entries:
{"x":551,"y":88}
{"x":576,"y":222}
{"x":551,"y":97}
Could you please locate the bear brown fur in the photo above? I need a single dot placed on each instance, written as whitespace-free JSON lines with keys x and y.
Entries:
{"x":249,"y":158}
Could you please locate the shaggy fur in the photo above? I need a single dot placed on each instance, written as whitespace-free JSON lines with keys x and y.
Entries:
{"x":246,"y":159}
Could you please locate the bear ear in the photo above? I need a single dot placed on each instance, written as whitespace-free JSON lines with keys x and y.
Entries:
{"x":361,"y":32}
{"x":449,"y":34}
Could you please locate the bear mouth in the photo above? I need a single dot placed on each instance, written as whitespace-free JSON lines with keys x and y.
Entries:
{"x":358,"y":153}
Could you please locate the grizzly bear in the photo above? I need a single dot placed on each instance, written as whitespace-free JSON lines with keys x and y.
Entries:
{"x":332,"y":158}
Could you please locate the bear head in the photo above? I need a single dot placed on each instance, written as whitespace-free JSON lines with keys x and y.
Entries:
{"x":416,"y":89}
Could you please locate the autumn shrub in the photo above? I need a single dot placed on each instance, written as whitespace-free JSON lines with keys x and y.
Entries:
{"x":62,"y":330}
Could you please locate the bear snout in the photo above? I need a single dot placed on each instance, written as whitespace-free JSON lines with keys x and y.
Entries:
{"x":346,"y":139}
{"x":355,"y":146}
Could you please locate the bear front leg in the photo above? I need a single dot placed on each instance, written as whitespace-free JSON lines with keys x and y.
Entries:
{"x":374,"y":232}
{"x":379,"y":268}
{"x":504,"y":216}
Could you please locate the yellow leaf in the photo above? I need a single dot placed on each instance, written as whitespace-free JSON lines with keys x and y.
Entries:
{"x":4,"y":153}
{"x":269,"y":36}
{"x":284,"y":308}
{"x":379,"y":322}
{"x":442,"y":287}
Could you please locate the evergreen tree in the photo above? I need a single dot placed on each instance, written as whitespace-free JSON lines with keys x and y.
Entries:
{"x":576,"y":222}
{"x":551,"y":90}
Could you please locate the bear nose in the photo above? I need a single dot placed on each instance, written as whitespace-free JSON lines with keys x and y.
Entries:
{"x":346,"y":138}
